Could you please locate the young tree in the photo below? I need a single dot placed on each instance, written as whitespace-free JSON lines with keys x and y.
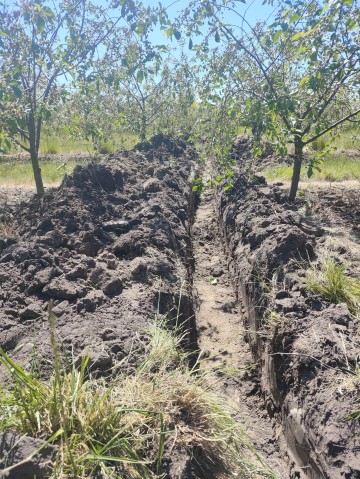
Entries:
{"x":297,"y":68}
{"x":41,"y":44}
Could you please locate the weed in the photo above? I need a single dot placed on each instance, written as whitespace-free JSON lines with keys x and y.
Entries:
{"x":125,"y":427}
{"x":50,"y":146}
{"x":330,"y":279}
{"x":269,"y":321}
{"x":319,"y":144}
{"x":106,"y":148}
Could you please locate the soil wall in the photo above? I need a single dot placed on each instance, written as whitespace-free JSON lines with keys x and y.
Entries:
{"x":305,"y":347}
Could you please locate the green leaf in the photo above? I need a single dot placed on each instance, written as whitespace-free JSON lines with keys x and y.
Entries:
{"x":169,"y":32}
{"x":351,"y":24}
{"x":190,"y":44}
{"x":298,"y":35}
{"x":125,"y":460}
{"x":177,"y":34}
{"x":217,"y":37}
{"x":304,"y":80}
{"x":3,"y":34}
{"x":17,"y":92}
{"x":40,"y":23}
{"x":277,"y":35}
{"x":140,"y":76}
{"x":294,"y":18}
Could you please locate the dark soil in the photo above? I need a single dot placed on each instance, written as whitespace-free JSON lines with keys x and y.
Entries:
{"x":307,"y":348}
{"x":109,"y":249}
{"x":115,"y":245}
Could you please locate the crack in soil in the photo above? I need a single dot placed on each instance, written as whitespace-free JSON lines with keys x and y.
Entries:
{"x":221,"y":333}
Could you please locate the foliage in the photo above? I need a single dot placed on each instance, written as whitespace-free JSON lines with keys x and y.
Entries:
{"x":128,"y":425}
{"x":41,"y":46}
{"x":301,"y":72}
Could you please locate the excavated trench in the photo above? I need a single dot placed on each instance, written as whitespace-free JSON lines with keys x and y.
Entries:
{"x":118,"y":243}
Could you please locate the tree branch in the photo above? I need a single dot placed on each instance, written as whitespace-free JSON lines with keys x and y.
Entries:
{"x":334,"y":125}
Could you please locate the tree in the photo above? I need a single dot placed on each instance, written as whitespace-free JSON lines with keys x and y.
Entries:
{"x":41,"y":44}
{"x":297,"y":68}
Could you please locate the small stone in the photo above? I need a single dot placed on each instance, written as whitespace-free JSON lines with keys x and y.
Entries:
{"x":60,"y":308}
{"x":216,"y":272}
{"x":80,"y":271}
{"x":282,"y":294}
{"x":4,"y":277}
{"x":89,"y":245}
{"x":138,"y":268}
{"x":19,"y":451}
{"x":117,"y":226}
{"x":91,"y":301}
{"x":108,"y":334}
{"x":41,"y":279}
{"x":45,"y":225}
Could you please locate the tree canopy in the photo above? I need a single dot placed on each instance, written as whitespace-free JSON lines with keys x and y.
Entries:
{"x":292,"y":78}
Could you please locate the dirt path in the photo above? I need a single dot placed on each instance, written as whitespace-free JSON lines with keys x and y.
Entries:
{"x":221,"y":334}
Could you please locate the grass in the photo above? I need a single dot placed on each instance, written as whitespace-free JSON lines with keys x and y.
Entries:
{"x":330,"y":280}
{"x":334,"y":168}
{"x":20,"y":172}
{"x":125,"y":427}
{"x":64,"y":144}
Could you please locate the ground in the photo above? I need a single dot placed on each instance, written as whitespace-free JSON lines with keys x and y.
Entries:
{"x":120,"y":243}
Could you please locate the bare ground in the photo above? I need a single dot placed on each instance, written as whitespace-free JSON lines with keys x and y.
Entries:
{"x":221,"y":335}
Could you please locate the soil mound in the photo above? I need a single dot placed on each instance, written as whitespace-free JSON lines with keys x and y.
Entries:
{"x":307,"y":347}
{"x":109,"y":248}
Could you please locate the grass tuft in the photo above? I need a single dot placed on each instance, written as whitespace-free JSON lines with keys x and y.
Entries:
{"x":330,"y":280}
{"x":126,"y":427}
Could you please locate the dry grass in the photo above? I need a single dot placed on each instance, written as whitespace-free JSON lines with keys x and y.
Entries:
{"x":125,"y":427}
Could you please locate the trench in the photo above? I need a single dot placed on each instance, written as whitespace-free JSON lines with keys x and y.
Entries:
{"x":215,"y":305}
{"x":221,"y":336}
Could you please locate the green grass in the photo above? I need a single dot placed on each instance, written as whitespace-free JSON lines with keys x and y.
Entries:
{"x":330,"y":280}
{"x":131,"y":421}
{"x":334,"y":168}
{"x":348,"y":139}
{"x":67,"y":145}
{"x":19,"y":172}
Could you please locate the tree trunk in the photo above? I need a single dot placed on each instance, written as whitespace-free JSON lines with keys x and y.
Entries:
{"x":143,"y":123}
{"x":37,"y":173}
{"x":297,"y":168}
{"x":34,"y":141}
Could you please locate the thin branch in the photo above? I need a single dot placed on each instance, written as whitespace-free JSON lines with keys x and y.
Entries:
{"x":334,"y":125}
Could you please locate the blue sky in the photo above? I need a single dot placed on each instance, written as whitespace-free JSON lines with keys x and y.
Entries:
{"x":253,"y":10}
